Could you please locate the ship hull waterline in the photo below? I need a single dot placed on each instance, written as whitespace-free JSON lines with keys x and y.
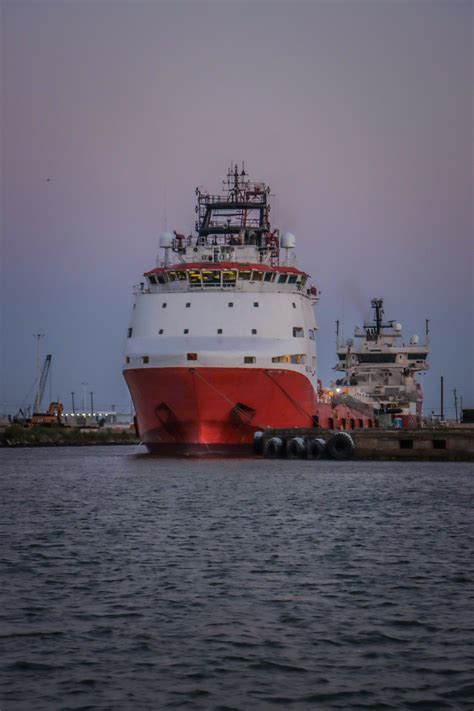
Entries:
{"x":205,"y":411}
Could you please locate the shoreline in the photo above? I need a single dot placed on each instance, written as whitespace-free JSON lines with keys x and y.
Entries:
{"x":16,"y":436}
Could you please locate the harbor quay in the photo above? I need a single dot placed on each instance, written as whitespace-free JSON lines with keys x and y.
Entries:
{"x":454,"y":443}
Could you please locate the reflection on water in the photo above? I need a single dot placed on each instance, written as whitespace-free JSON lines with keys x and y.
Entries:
{"x":130,"y":582}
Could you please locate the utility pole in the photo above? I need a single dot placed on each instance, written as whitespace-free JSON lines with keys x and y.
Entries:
{"x":441,"y":414}
{"x":83,"y":395}
{"x":92,"y":403}
{"x":456,"y":404}
{"x":113,"y":414}
{"x":38,"y":337}
{"x":460,"y":407}
{"x":73,"y":404}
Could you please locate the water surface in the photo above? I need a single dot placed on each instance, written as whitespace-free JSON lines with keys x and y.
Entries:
{"x":129,"y":582}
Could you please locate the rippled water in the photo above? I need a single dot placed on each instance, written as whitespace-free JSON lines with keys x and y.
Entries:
{"x":136,"y":583}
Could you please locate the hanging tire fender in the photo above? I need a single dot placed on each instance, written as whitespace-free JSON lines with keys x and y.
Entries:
{"x":295,"y":448}
{"x":340,"y":446}
{"x":273,"y":448}
{"x":258,"y":442}
{"x":315,"y":448}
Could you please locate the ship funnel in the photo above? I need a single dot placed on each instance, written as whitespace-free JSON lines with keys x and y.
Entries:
{"x":288,"y":241}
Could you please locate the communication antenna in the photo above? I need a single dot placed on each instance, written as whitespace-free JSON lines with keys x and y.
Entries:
{"x":164,"y":206}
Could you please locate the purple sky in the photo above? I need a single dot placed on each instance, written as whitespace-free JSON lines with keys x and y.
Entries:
{"x":358,"y":114}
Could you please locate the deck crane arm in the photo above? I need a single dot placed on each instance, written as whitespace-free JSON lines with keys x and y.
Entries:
{"x":42,"y":382}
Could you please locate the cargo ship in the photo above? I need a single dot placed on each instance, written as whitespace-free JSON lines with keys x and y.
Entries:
{"x":381,"y":370}
{"x":222,"y":337}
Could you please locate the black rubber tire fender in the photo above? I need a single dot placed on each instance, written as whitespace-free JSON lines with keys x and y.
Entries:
{"x":340,"y":446}
{"x":295,"y":448}
{"x":273,"y":448}
{"x":258,"y":442}
{"x":315,"y":448}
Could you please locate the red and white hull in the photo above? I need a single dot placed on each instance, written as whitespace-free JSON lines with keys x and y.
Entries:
{"x":217,"y":410}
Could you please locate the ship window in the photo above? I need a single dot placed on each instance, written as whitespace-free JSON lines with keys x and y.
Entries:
{"x":181,"y":276}
{"x":188,"y":305}
{"x":416,"y":356}
{"x":304,"y":280}
{"x":249,"y":359}
{"x":229,"y":278}
{"x":257,"y":276}
{"x":186,"y":330}
{"x":230,"y":304}
{"x":172,"y":276}
{"x":255,"y":303}
{"x":192,"y":356}
{"x":254,"y":331}
{"x":439,"y":444}
{"x":152,"y":280}
{"x":298,"y":332}
{"x":406,"y":443}
{"x":292,"y":279}
{"x":160,"y":331}
{"x":219,"y":330}
{"x":245,"y":274}
{"x":269,"y":276}
{"x":129,"y":332}
{"x":194,"y":278}
{"x":211,"y":277}
{"x":146,"y":359}
{"x":377,"y":358}
{"x":164,"y":305}
{"x":298,"y":359}
{"x":162,"y":279}
{"x":294,"y":305}
{"x":282,"y":279}
{"x":127,"y":359}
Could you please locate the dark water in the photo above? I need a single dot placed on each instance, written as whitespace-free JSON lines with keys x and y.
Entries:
{"x":133,"y":583}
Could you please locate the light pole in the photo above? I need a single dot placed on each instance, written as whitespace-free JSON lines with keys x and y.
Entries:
{"x":84,"y":384}
{"x":73,"y":405}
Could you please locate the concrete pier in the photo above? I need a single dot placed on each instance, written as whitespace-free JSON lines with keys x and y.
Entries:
{"x":434,"y":444}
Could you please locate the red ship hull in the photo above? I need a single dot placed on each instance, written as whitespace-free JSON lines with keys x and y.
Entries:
{"x":193,"y":411}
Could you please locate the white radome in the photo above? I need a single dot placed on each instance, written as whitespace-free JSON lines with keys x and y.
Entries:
{"x":166,"y":240}
{"x":288,"y":240}
{"x":414,"y":340}
{"x":397,"y":327}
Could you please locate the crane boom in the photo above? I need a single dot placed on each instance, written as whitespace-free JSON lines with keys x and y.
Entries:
{"x":42,"y":382}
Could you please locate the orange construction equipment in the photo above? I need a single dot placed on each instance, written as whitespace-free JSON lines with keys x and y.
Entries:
{"x":51,"y":417}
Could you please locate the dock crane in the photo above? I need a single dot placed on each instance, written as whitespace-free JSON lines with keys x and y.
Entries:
{"x":55,"y":409}
{"x":42,"y":383}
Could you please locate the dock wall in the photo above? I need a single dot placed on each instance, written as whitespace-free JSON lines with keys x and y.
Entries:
{"x":437,"y":444}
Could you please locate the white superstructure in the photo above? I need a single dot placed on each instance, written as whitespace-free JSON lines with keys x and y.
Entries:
{"x":380,"y":369}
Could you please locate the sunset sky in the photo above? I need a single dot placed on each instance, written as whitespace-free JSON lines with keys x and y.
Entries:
{"x":358,"y":114}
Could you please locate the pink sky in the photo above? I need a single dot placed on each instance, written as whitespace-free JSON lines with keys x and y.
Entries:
{"x":358,"y":114}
